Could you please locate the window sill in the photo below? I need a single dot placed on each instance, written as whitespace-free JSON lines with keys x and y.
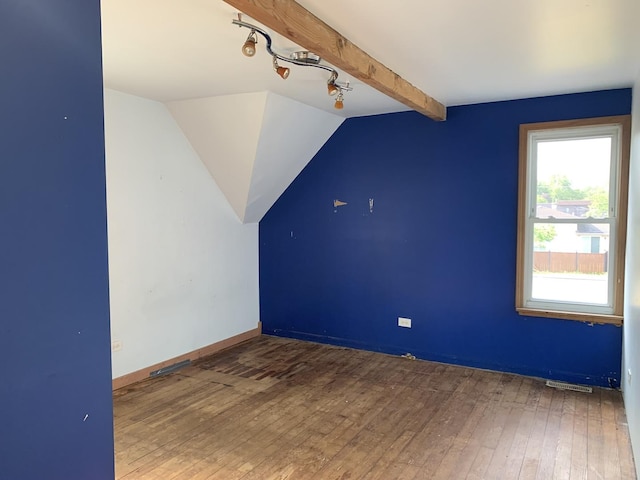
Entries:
{"x":580,"y":317}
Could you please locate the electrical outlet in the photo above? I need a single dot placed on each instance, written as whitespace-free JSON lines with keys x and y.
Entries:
{"x":404,"y":322}
{"x":116,"y":345}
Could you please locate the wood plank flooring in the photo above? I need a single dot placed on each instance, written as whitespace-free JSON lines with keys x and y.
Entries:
{"x":275,"y":408}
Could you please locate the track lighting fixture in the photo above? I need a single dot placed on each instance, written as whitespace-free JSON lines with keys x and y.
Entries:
{"x":249,"y":47}
{"x":282,"y":71}
{"x":332,"y":88}
{"x":302,"y":58}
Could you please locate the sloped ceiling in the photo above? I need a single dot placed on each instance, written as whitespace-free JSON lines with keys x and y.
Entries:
{"x":291,"y":135}
{"x":253,"y":144}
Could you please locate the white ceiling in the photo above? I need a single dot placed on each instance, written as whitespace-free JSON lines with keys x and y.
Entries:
{"x":457,"y":51}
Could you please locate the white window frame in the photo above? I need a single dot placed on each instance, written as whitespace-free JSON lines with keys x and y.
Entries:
{"x":618,"y":129}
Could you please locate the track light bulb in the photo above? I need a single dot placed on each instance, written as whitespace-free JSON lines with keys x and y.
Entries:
{"x":282,"y":71}
{"x":249,"y":47}
{"x":332,"y":89}
{"x":339,"y":105}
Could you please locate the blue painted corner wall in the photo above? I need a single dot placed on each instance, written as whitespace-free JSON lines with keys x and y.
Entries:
{"x":56,"y":419}
{"x":438,"y":246}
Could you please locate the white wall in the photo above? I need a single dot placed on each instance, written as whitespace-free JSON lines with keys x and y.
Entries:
{"x":183,"y":270}
{"x":631,"y":348}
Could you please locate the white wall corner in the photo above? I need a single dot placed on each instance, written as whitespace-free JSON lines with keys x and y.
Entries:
{"x":183,"y":271}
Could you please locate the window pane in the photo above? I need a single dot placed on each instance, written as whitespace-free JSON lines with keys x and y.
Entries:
{"x":573,"y":178}
{"x":570,"y":262}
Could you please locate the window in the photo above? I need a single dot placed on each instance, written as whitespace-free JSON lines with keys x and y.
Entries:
{"x":572,"y":213}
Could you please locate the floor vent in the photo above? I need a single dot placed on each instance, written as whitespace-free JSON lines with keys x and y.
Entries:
{"x":569,"y":386}
{"x":170,"y":368}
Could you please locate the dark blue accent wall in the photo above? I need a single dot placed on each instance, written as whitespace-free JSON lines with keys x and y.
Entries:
{"x":55,"y":391}
{"x":439,"y":246}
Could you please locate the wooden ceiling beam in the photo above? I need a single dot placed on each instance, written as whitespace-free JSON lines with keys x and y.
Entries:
{"x":291,"y":20}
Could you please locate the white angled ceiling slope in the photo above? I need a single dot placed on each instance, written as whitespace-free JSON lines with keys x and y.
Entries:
{"x":253,"y":144}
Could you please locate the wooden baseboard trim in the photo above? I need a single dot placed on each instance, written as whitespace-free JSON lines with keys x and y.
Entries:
{"x":143,"y":374}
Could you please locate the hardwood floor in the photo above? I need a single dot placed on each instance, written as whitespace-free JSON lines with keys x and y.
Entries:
{"x":275,"y":408}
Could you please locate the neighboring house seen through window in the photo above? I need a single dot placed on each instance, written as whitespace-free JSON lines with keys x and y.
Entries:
{"x":572,"y":213}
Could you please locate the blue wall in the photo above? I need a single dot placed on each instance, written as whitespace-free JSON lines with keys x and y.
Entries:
{"x":439,"y":247}
{"x":55,"y":393}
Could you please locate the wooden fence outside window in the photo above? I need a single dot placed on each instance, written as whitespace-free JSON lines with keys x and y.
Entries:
{"x":565,"y":262}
